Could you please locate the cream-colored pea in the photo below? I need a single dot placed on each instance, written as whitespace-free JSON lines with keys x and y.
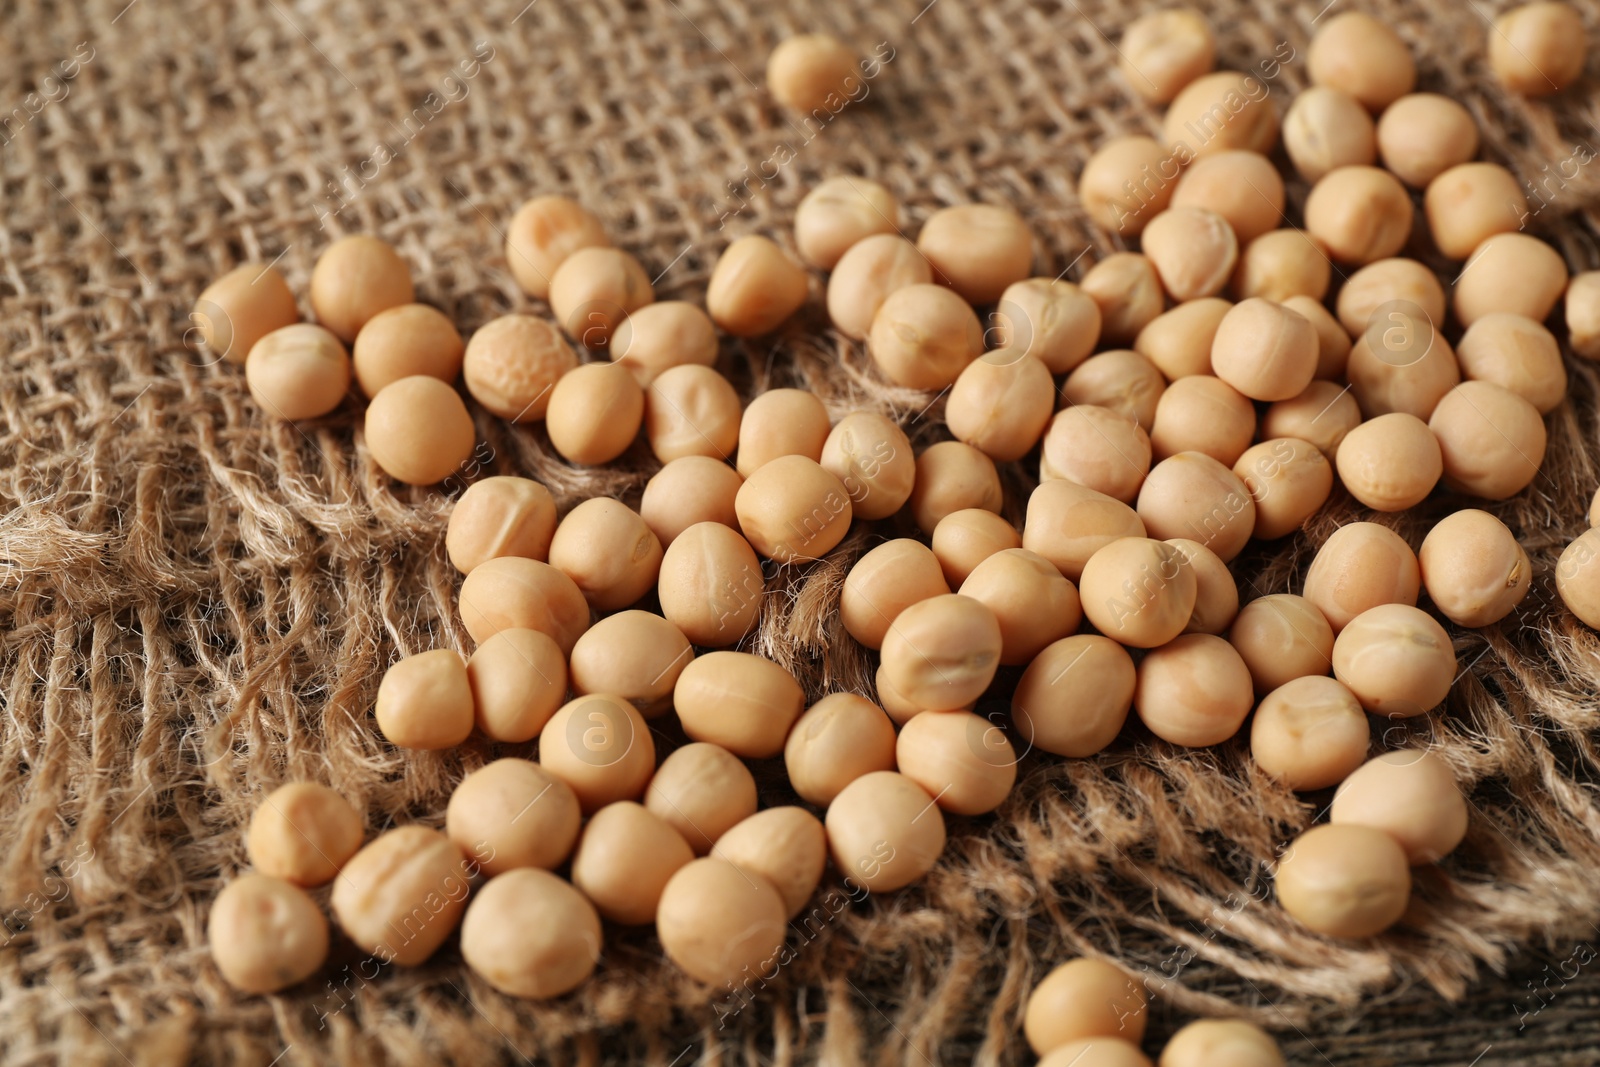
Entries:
{"x":595,"y":413}
{"x":1191,"y":495}
{"x":1363,"y":56}
{"x":1193,"y":691}
{"x":964,"y":539}
{"x":594,"y":289}
{"x":1471,"y":202}
{"x":1096,"y":1052}
{"x":884,"y":831}
{"x":711,"y":585}
{"x":1309,"y":733}
{"x":606,"y":548}
{"x":1127,"y":182}
{"x":1243,"y":187}
{"x":1128,"y":291}
{"x":1325,"y":129}
{"x":1360,"y":566}
{"x":1518,"y":354}
{"x":624,"y":860}
{"x":513,"y":813}
{"x":1211,"y":1042}
{"x":1538,"y":49}
{"x":529,"y":934}
{"x":303,"y":832}
{"x":964,"y":762}
{"x":1282,"y":637}
{"x":242,"y":307}
{"x":1164,"y":51}
{"x":1178,"y":342}
{"x":1368,"y":290}
{"x":941,"y":653}
{"x":1583,"y":314}
{"x":1422,"y":135}
{"x":923,"y":336}
{"x":686,"y":491}
{"x":1122,"y":380}
{"x":885,"y":582}
{"x":1265,"y":350}
{"x":701,"y":790}
{"x":1396,"y":659}
{"x":1322,"y":415}
{"x":864,"y":276}
{"x":1193,"y":250}
{"x":1289,"y":479}
{"x":518,"y":679}
{"x":740,"y":701}
{"x":600,"y":746}
{"x":402,"y":895}
{"x":418,"y":431}
{"x":1492,"y":440}
{"x":792,"y":509}
{"x":513,"y":362}
{"x":977,"y":249}
{"x":813,"y":72}
{"x":1066,"y":523}
{"x":1344,"y":881}
{"x":1333,"y":343}
{"x":1001,"y":403}
{"x":266,"y":934}
{"x":786,"y":846}
{"x":720,"y":924}
{"x":839,"y":738}
{"x":1359,"y":214}
{"x":1219,"y":112}
{"x":1075,"y":695}
{"x":1201,"y":413}
{"x":871,"y":456}
{"x":425,"y":701}
{"x":1033,"y":603}
{"x":298,"y":372}
{"x":1578,"y":578}
{"x":1281,"y":264}
{"x":1138,"y":591}
{"x":637,"y":655}
{"x":1412,"y":796}
{"x":1390,"y":463}
{"x":406,"y":340}
{"x":755,"y":287}
{"x":355,"y":278}
{"x":1216,"y":594}
{"x":1083,"y":998}
{"x":952,"y":476}
{"x":1049,"y":319}
{"x":839,"y":214}
{"x":781,"y":422}
{"x":660,"y":336}
{"x":1097,"y":448}
{"x":542,"y":234}
{"x":1401,"y":363}
{"x":691,"y":411}
{"x":510,"y":592}
{"x":1510,"y":272}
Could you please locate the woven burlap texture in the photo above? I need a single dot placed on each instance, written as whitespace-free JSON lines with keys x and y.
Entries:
{"x":198,"y":601}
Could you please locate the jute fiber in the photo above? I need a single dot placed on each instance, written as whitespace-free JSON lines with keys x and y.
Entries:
{"x":198,"y":602}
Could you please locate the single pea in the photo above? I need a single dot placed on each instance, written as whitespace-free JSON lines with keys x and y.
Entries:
{"x":701,"y":790}
{"x":298,"y":372}
{"x":595,"y":413}
{"x":1364,"y":57}
{"x":1194,"y":691}
{"x":977,"y":249}
{"x":1128,"y":291}
{"x":266,"y":934}
{"x":1209,"y":1042}
{"x":964,"y":539}
{"x":941,"y":653}
{"x":425,"y":701}
{"x":781,"y":422}
{"x":1368,"y":290}
{"x":871,"y":456}
{"x":1471,"y":202}
{"x":406,"y":340}
{"x":1216,"y":594}
{"x":1241,"y":186}
{"x":1193,"y":250}
{"x":691,"y":411}
{"x":1333,"y":343}
{"x":1412,"y":796}
{"x":1359,"y":214}
{"x":1097,"y":448}
{"x":813,"y":72}
{"x":514,"y":593}
{"x":791,"y":509}
{"x":600,"y":746}
{"x":1202,"y":413}
{"x":303,"y":832}
{"x":542,"y":234}
{"x":1191,"y":495}
{"x":1401,"y":363}
{"x":711,"y":585}
{"x":529,"y":934}
{"x":1396,"y":659}
{"x":1097,"y":1052}
{"x":518,"y":679}
{"x":1344,"y":881}
{"x":1164,"y":51}
{"x":513,"y":813}
{"x":355,"y":278}
{"x":1075,"y":695}
{"x":1492,"y":440}
{"x":839,"y":738}
{"x":884,"y":831}
{"x":1282,"y":637}
{"x":663,"y":335}
{"x":885,"y":582}
{"x":1051,"y":320}
{"x":1122,"y":380}
{"x":1583,"y":314}
{"x":755,"y":287}
{"x":1390,"y":463}
{"x":950,"y":477}
{"x":1033,"y":603}
{"x":1221,"y":111}
{"x":594,"y":289}
{"x":923,"y":336}
{"x":1083,"y":998}
{"x":1265,"y":350}
{"x":1538,"y":49}
{"x":1517,"y":354}
{"x":1422,"y":135}
{"x":839,"y":214}
{"x":1178,"y":342}
{"x":867,"y":274}
{"x":1325,"y":129}
{"x":624,"y":860}
{"x":1510,"y":272}
{"x":964,"y":762}
{"x":1127,"y":182}
{"x":402,"y":895}
{"x":418,"y":430}
{"x":1360,"y":566}
{"x":1138,"y":591}
{"x":1309,"y":733}
{"x":242,"y":307}
{"x":686,"y":491}
{"x":1474,"y":570}
{"x":607,"y":550}
{"x":786,"y":846}
{"x":1281,"y":264}
{"x":740,"y":701}
{"x":637,"y":655}
{"x":1067,"y":523}
{"x":1578,"y":578}
{"x":512,"y":364}
{"x":1289,"y":480}
{"x":1322,"y":415}
{"x":719,"y":924}
{"x":1001,"y":403}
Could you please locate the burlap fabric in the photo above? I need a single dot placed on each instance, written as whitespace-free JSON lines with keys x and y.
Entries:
{"x":198,"y":602}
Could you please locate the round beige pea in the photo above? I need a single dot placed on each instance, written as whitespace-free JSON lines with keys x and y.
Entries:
{"x":866,"y":275}
{"x":1422,"y":135}
{"x":1492,"y":440}
{"x":740,"y":701}
{"x":1191,"y":495}
{"x":355,"y":278}
{"x":1193,"y":250}
{"x":786,"y":846}
{"x":711,"y":585}
{"x":1128,"y":291}
{"x":418,"y":430}
{"x":755,"y":287}
{"x":1001,"y":403}
{"x":718,"y":924}
{"x":1127,"y":182}
{"x":406,"y":340}
{"x":923,"y":336}
{"x":1049,"y":319}
{"x":1243,"y":187}
{"x":660,"y":336}
{"x":425,"y":701}
{"x":607,"y":550}
{"x":1280,"y":264}
{"x":1333,"y":343}
{"x":1401,"y":363}
{"x":1309,"y":733}
{"x":1122,"y":380}
{"x":1368,"y":290}
{"x":1288,"y":479}
{"x":839,"y":214}
{"x":1517,"y":354}
{"x":531,"y":935}
{"x":400,"y":897}
{"x":1510,"y":272}
{"x":1282,"y":637}
{"x":513,"y":813}
{"x":1209,"y":1042}
{"x":513,"y":362}
{"x":1221,"y":112}
{"x":518,"y":679}
{"x":1396,"y":659}
{"x":884,"y":831}
{"x":1322,"y":415}
{"x":952,"y":476}
{"x":1083,"y":998}
{"x":1066,"y":523}
{"x":1264,"y":350}
{"x":1359,"y":214}
{"x":298,"y":372}
{"x":1097,"y":448}
{"x":871,"y":456}
{"x":1194,"y":691}
{"x":636,"y":655}
{"x":1033,"y":603}
{"x":1344,"y":881}
{"x":1538,"y":49}
{"x":594,"y":289}
{"x":1138,"y":591}
{"x":242,"y":307}
{"x":781,"y":422}
{"x":840,"y":738}
{"x":1075,"y":695}
{"x":941,"y":653}
{"x":1578,"y":578}
{"x":686,"y":491}
{"x":1390,"y":463}
{"x":964,"y":539}
{"x":691,"y":411}
{"x":813,"y":72}
{"x":977,"y":249}
{"x":1164,"y":51}
{"x":1471,"y":202}
{"x":1178,"y":342}
{"x":964,"y":762}
{"x":542,"y":234}
{"x":303,"y":832}
{"x":1201,"y":413}
{"x":514,"y":593}
{"x":1326,"y":129}
{"x":266,"y":934}
{"x":1360,"y":566}
{"x":791,"y":509}
{"x":600,"y":746}
{"x":1583,"y":314}
{"x":624,"y":860}
{"x":1474,"y":570}
{"x":885,"y":582}
{"x":1364,"y":57}
{"x":1412,"y":796}
{"x":595,"y":413}
{"x":701,"y":790}
{"x":1216,"y":594}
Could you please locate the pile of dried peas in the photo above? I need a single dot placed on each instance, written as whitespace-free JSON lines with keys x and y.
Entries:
{"x":1184,"y":431}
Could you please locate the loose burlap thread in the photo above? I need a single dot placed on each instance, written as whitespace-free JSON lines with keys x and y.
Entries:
{"x":199,"y":601}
